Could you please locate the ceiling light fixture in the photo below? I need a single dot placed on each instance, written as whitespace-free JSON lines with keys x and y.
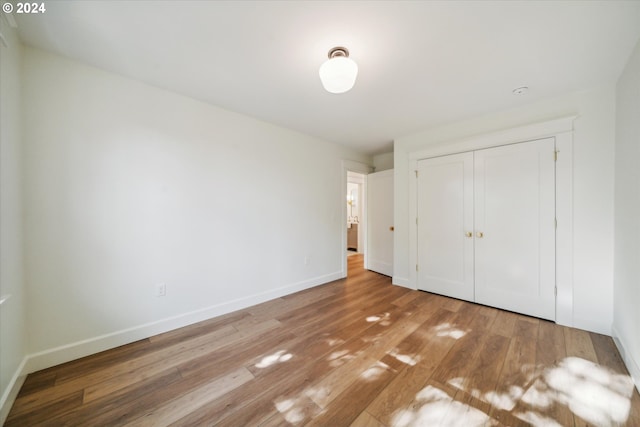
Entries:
{"x":338,"y":73}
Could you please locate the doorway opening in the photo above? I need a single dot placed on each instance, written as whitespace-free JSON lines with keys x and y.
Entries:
{"x":356,"y":230}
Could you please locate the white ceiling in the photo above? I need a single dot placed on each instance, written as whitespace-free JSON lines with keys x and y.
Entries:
{"x":420,"y":63}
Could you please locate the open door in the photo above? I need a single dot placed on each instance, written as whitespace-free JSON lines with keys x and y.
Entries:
{"x":380,"y":222}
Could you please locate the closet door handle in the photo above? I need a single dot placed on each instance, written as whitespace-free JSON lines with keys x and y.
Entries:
{"x":468,"y":234}
{"x":479,"y":234}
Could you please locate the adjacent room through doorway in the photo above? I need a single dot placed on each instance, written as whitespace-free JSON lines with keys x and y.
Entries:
{"x":356,"y":211}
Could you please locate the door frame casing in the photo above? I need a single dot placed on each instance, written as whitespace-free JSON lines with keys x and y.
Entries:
{"x":562,"y":131}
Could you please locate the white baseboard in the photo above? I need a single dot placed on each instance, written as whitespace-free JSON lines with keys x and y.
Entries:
{"x":9,"y":395}
{"x":76,"y":350}
{"x":630,"y":363}
{"x":402,"y":281}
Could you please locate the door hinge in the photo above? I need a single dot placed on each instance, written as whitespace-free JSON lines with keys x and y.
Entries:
{"x":555,"y":155}
{"x":416,"y":267}
{"x":416,"y":220}
{"x":556,"y":220}
{"x":555,"y":291}
{"x":416,"y":173}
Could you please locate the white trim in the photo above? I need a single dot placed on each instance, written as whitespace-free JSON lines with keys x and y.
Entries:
{"x":564,"y":231}
{"x":12,"y":390}
{"x":362,"y":168}
{"x":562,"y":130}
{"x":495,"y":139}
{"x":72,"y":351}
{"x":402,"y":281}
{"x":631,"y":364}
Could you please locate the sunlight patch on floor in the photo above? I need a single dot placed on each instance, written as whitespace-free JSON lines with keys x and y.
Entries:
{"x":589,"y":390}
{"x":407,"y":359}
{"x":592,"y":392}
{"x":382,"y":318}
{"x":289,"y":410}
{"x":296,"y":410}
{"x":316,"y":393}
{"x":434,"y":407}
{"x":457,"y":382}
{"x":538,"y":420}
{"x":334,"y":342}
{"x":448,"y":330}
{"x":339,"y":358}
{"x":372,"y":339}
{"x":504,"y":401}
{"x":277,"y":357}
{"x":374,"y":372}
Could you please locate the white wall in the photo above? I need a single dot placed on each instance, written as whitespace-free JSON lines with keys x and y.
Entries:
{"x":593,"y":160}
{"x":128,"y":186}
{"x":626,"y":291}
{"x":12,"y":310}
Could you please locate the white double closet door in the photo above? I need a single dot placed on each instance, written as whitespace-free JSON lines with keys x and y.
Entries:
{"x":486,"y":227}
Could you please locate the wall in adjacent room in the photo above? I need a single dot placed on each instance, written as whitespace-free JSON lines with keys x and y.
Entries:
{"x":382,"y":162}
{"x":130,"y":186}
{"x":593,"y":163}
{"x":13,"y":307}
{"x":626,"y":290}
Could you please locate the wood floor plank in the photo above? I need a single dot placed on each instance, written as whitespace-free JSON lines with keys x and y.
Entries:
{"x":365,"y":419}
{"x":607,"y":353}
{"x":609,"y":358}
{"x":97,"y":362}
{"x":485,"y":368}
{"x":550,"y":352}
{"x":579,"y":344}
{"x":257,"y":401}
{"x":406,"y":298}
{"x":338,"y":380}
{"x":166,"y":361}
{"x":113,"y":372}
{"x":359,"y":394}
{"x":50,"y":410}
{"x":518,"y":367}
{"x":178,"y":408}
{"x":357,"y":351}
{"x":456,"y":365}
{"x":127,"y":403}
{"x":403,"y":389}
{"x":504,"y":324}
{"x":294,"y":413}
{"x":37,"y":382}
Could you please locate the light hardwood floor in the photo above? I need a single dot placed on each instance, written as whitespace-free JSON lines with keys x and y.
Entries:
{"x":357,"y":352}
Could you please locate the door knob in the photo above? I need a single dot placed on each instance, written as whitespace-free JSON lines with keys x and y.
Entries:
{"x":391,"y":228}
{"x":479,"y":234}
{"x":468,"y":234}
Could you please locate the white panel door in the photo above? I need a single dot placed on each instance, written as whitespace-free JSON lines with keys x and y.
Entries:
{"x":445,"y":224}
{"x":515,"y":227}
{"x":380,"y":222}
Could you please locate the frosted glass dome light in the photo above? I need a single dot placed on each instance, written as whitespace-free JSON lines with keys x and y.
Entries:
{"x":338,"y":73}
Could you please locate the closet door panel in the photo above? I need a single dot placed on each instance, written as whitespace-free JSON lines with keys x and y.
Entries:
{"x":445,"y":218}
{"x":515,"y":227}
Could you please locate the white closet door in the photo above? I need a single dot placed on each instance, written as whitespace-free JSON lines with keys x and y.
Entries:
{"x":445,"y":221}
{"x":515,"y":227}
{"x":380,"y":222}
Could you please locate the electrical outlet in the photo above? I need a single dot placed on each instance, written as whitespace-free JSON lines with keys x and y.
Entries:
{"x":161,"y":290}
{"x":307,"y":259}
